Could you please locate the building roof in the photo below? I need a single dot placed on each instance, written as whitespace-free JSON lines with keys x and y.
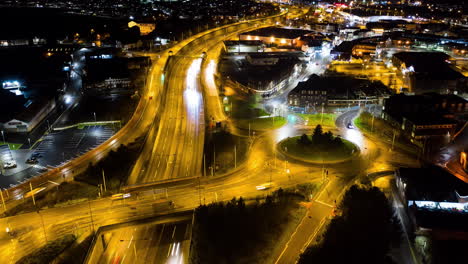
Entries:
{"x":278,"y":32}
{"x":243,"y":42}
{"x":422,"y":107}
{"x":432,"y":184}
{"x":30,"y":112}
{"x":342,"y":87}
{"x":10,"y":105}
{"x":429,"y":119}
{"x":279,"y":55}
{"x":433,"y":64}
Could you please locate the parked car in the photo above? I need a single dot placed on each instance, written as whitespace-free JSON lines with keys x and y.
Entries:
{"x":32,"y":160}
{"x":9,"y":165}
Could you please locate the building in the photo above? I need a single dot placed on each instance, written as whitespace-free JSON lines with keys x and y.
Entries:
{"x":306,"y":96}
{"x":428,"y":72}
{"x":450,"y":106}
{"x":30,"y":116}
{"x":423,"y":116}
{"x":277,"y":36}
{"x":421,"y":126}
{"x":325,"y":27}
{"x":145,"y":27}
{"x":336,"y":91}
{"x":364,"y":49}
{"x":435,"y":200}
{"x":241,"y":46}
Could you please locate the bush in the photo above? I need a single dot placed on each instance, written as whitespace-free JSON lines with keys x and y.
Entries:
{"x":49,"y":252}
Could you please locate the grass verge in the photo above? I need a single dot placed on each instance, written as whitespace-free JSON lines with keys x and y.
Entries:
{"x":315,"y":119}
{"x":262,"y":123}
{"x":49,"y":252}
{"x":13,"y":146}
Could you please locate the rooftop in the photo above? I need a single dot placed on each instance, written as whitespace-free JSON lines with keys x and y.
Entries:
{"x":432,"y":184}
{"x":435,"y":64}
{"x":243,"y":42}
{"x":279,"y":32}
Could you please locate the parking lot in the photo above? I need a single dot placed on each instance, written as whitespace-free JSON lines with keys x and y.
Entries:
{"x":52,"y":150}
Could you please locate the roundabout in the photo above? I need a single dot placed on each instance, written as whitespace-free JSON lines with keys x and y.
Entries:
{"x":323,"y":148}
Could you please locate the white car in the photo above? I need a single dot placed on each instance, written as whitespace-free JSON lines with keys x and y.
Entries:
{"x":9,"y":165}
{"x":265,"y":186}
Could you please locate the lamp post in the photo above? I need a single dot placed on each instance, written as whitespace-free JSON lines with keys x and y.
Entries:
{"x":321,"y":119}
{"x":3,"y":136}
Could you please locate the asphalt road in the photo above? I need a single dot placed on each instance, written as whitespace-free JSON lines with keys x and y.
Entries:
{"x":159,"y":242}
{"x":174,"y":147}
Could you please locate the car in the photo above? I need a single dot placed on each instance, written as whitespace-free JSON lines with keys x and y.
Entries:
{"x":32,"y":160}
{"x":9,"y":165}
{"x":120,"y":196}
{"x":36,"y":155}
{"x":264,"y":186}
{"x":350,"y":126}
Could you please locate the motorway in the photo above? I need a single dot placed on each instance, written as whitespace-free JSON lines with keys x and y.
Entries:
{"x":174,"y":146}
{"x":164,"y":240}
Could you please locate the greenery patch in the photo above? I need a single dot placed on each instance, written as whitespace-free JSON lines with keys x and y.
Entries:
{"x":49,"y":252}
{"x":315,"y":119}
{"x":241,"y":232}
{"x":363,"y":232}
{"x":318,"y":147}
{"x":262,"y":123}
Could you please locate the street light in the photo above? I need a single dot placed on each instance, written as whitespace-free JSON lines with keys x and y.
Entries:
{"x":3,"y":137}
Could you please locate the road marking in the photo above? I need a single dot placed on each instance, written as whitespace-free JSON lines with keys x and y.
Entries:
{"x":322,"y":222}
{"x":329,"y":205}
{"x":287,"y":244}
{"x":173,"y":232}
{"x":129,"y":243}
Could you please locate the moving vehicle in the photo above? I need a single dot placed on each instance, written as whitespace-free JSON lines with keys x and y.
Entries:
{"x":264,"y":186}
{"x":120,"y":196}
{"x":34,"y":191}
{"x":350,"y":126}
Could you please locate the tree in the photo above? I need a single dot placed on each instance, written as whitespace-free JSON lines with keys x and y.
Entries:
{"x":363,"y":233}
{"x":304,"y":140}
{"x":337,"y":142}
{"x":328,"y":137}
{"x":317,"y":135}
